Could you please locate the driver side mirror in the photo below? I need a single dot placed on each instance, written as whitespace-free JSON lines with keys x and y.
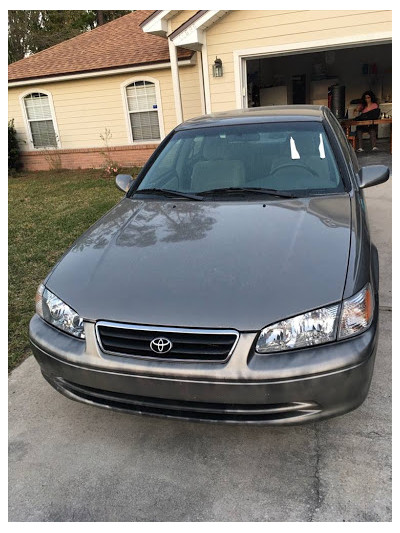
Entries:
{"x":372,"y":175}
{"x":123,"y":182}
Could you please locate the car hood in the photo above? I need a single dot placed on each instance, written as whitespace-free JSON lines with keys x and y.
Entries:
{"x":233,"y":264}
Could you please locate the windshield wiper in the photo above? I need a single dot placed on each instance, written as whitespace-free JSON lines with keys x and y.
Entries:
{"x":257,"y":190}
{"x":168,"y":192}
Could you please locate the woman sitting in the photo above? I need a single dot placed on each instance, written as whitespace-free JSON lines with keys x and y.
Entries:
{"x":369,"y":110}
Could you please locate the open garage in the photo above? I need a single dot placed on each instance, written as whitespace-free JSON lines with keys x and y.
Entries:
{"x":306,"y":78}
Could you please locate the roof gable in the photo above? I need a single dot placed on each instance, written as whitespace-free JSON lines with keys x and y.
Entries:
{"x":190,"y":34}
{"x":117,"y":44}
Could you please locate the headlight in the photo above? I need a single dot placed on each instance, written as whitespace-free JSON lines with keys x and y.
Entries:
{"x":315,"y":327}
{"x":56,"y":312}
{"x":320,"y":326}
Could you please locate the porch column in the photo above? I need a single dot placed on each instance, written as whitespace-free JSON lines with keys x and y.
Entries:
{"x":175,"y":81}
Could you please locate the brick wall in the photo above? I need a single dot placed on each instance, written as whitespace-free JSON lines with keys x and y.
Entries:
{"x":126,"y":156}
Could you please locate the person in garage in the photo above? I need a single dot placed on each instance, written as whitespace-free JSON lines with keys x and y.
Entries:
{"x":369,"y":110}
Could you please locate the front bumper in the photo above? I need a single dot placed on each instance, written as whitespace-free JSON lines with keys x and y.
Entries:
{"x":287,"y":388}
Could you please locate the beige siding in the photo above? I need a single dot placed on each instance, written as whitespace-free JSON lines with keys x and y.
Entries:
{"x":256,"y":29}
{"x":180,"y":18}
{"x":84,"y":108}
{"x":190,"y":91}
{"x":188,"y":77}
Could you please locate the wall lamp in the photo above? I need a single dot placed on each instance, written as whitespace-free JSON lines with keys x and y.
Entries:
{"x":217,"y":68}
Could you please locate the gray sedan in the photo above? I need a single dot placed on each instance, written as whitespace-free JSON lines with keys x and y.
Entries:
{"x":235,"y":282}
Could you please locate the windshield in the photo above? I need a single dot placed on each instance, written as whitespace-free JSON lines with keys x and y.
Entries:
{"x":275,"y":156}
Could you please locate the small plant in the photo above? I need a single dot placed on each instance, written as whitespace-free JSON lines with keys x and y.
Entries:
{"x":14,"y":153}
{"x":111,"y":168}
{"x":53,"y":158}
{"x":105,"y":137}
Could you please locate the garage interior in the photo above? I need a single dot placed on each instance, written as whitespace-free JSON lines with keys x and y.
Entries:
{"x":305,"y":78}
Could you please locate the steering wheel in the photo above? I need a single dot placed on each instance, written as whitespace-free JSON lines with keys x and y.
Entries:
{"x":294,"y":166}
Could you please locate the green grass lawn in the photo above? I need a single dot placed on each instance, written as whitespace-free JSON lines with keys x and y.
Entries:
{"x":47,"y":212}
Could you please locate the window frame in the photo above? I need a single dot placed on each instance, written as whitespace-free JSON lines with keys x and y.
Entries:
{"x":124,"y":87}
{"x":27,"y":121}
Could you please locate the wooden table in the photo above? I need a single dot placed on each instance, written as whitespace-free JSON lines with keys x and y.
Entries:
{"x":348,"y":123}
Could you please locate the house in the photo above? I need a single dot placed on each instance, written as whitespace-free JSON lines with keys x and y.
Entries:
{"x":128,"y":83}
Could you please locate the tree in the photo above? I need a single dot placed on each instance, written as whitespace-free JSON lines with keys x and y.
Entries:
{"x":21,"y":24}
{"x":32,"y":31}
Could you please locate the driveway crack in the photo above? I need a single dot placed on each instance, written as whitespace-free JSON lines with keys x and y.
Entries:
{"x":316,"y":487}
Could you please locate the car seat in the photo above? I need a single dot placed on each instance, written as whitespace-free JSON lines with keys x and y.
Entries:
{"x":217,"y":170}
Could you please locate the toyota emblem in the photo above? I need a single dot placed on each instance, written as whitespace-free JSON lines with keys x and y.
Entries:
{"x":161,"y":345}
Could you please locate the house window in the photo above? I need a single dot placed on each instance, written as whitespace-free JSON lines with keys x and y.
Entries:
{"x":143,"y":110}
{"x":40,"y":120}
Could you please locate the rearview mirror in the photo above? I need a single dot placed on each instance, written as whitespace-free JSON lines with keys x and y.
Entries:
{"x":123,"y":182}
{"x":372,"y":175}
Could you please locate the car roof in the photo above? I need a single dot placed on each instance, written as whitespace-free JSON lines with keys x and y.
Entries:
{"x":253,"y":115}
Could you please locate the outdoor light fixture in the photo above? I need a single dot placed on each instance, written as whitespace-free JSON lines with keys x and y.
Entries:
{"x":217,"y":68}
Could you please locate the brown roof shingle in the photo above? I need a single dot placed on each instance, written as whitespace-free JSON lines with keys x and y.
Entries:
{"x":120,"y":43}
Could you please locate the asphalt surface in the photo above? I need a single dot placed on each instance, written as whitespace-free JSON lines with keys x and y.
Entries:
{"x":72,"y":462}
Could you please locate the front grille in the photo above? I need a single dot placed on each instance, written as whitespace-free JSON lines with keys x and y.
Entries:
{"x":187,"y":344}
{"x":273,"y":413}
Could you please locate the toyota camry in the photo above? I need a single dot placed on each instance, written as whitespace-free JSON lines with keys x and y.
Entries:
{"x":235,"y":281}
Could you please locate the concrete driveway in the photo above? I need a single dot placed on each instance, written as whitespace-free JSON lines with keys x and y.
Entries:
{"x":71,"y":462}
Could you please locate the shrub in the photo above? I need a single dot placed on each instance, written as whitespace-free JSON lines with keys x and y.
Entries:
{"x":14,"y":154}
{"x":111,"y":169}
